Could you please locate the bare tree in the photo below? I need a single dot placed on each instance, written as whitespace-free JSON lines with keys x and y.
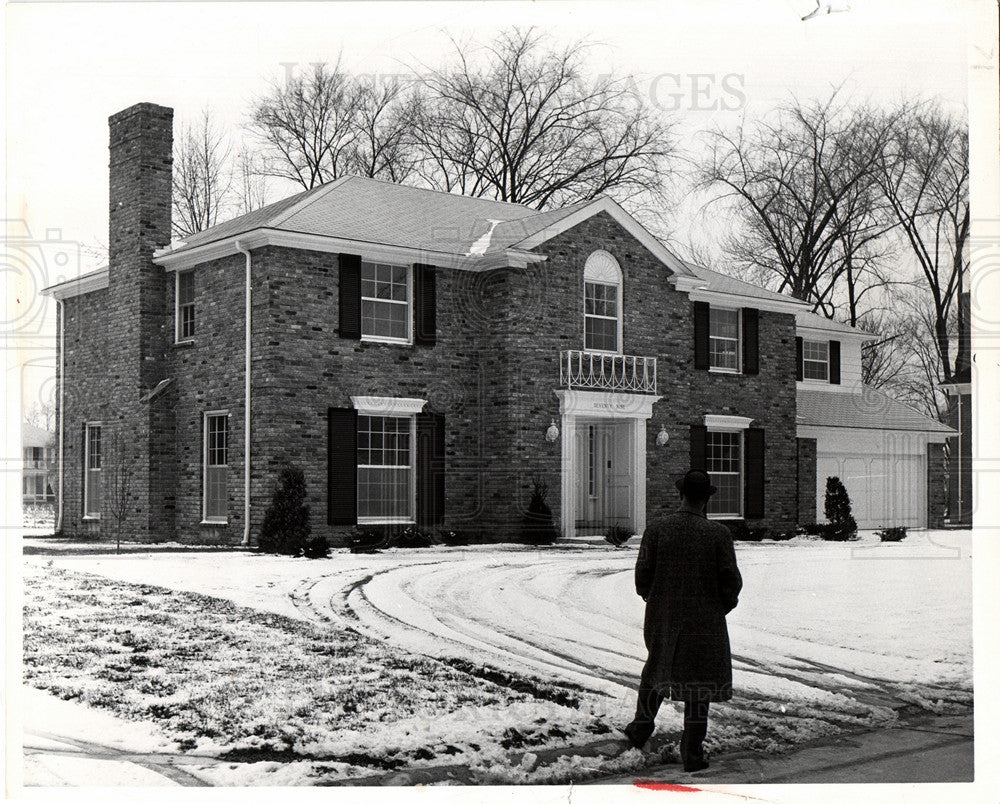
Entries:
{"x":924,"y":176}
{"x":41,"y":414}
{"x":522,"y":122}
{"x":326,"y":123}
{"x":202,"y":177}
{"x":801,"y":185}
{"x":252,"y":187}
{"x":122,"y":487}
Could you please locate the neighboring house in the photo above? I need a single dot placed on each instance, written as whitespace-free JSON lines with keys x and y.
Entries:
{"x":959,"y":391}
{"x":424,"y":357}
{"x":38,"y":453}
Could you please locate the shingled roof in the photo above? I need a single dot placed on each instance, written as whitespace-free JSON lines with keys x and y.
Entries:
{"x":869,"y":408}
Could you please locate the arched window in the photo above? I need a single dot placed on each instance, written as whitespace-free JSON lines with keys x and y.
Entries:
{"x":602,"y":304}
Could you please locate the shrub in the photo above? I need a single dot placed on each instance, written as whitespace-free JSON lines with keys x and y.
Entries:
{"x":784,"y":535}
{"x":538,"y":527}
{"x":459,"y":538}
{"x":371,"y":538}
{"x":617,"y":535}
{"x":741,"y":532}
{"x":837,"y":508}
{"x":316,"y":547}
{"x":896,"y":534}
{"x":286,"y":522}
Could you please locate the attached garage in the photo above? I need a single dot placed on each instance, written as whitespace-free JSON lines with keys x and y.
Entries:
{"x":877,"y":447}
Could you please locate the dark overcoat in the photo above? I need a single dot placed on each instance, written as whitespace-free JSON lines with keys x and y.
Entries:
{"x":686,"y":571}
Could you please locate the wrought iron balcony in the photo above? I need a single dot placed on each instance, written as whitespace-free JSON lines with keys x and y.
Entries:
{"x":601,"y":372}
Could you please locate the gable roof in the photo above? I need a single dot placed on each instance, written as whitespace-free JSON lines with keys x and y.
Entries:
{"x":723,"y":283}
{"x":869,"y":409}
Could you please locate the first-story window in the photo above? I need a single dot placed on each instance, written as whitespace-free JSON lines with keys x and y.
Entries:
{"x":92,"y":471}
{"x":724,"y":464}
{"x":216,"y":466}
{"x":816,"y":360}
{"x":385,"y":302}
{"x":724,"y":339}
{"x":185,"y":305}
{"x":386,"y":469}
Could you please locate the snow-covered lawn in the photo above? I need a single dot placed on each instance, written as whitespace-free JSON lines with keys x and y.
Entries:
{"x":827,"y":636}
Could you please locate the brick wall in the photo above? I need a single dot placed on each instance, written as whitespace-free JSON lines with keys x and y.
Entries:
{"x":806,"y":480}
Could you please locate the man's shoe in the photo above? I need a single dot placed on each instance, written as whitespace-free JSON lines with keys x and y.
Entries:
{"x":635,"y":739}
{"x":695,"y":766}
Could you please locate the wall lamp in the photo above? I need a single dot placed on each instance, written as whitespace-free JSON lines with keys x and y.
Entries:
{"x":552,"y":432}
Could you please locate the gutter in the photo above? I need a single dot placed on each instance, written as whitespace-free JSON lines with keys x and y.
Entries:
{"x":246,"y":402}
{"x":61,"y":311}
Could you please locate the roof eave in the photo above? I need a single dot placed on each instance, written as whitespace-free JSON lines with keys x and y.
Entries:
{"x":88,"y":283}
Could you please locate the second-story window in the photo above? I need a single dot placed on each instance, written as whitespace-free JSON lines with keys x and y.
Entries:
{"x":602,"y":304}
{"x":816,"y":360}
{"x":385,"y":302}
{"x":724,"y":339}
{"x":185,"y":305}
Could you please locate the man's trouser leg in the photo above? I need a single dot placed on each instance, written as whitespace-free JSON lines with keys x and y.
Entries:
{"x":648,"y":704}
{"x":695,"y":729}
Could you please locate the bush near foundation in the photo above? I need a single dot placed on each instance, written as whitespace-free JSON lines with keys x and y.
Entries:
{"x":286,"y":529}
{"x":837,"y":507}
{"x":371,"y":538}
{"x":896,"y":534}
{"x":538,"y":526}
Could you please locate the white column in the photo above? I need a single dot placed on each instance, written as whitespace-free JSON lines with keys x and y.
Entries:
{"x":567,"y":491}
{"x":639,"y":475}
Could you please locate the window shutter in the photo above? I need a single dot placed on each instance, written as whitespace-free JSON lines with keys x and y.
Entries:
{"x":798,"y":358}
{"x":751,"y":349}
{"x":753,"y":482}
{"x":424,"y":305}
{"x":835,"y":362}
{"x":342,"y":463}
{"x":701,"y":314}
{"x":430,"y":468}
{"x":350,"y":296}
{"x":699,"y":437}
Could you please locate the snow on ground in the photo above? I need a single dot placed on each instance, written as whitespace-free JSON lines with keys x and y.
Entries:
{"x":827,"y":635}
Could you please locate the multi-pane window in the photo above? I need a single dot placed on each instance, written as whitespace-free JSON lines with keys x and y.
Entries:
{"x":92,"y":471}
{"x":600,"y":317}
{"x":216,"y":466}
{"x":185,"y":305}
{"x":385,"y":469}
{"x":34,"y":457}
{"x":724,"y":464}
{"x":815,"y":360}
{"x":724,"y":339}
{"x":385,"y":301}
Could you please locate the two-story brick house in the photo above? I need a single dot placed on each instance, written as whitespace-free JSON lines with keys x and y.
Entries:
{"x":422,"y":356}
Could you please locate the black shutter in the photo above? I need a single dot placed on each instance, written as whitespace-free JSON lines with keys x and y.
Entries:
{"x":350,"y":296}
{"x":430,"y":468}
{"x":342,"y":463}
{"x":798,"y":358}
{"x":701,"y":315}
{"x":424,"y":305}
{"x":751,"y":349}
{"x":835,"y":362}
{"x":699,"y":436}
{"x":753,"y":482}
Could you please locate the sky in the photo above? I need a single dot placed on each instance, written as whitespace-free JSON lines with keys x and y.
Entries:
{"x":71,"y":65}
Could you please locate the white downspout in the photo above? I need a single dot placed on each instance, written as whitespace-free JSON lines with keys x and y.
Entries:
{"x":61,"y":310}
{"x":246,"y":403}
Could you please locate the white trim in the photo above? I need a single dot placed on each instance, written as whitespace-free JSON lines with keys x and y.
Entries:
{"x":606,"y":404}
{"x":387,"y":405}
{"x":88,"y":515}
{"x":205,"y":520}
{"x":631,"y":225}
{"x":177,"y":308}
{"x":372,"y":252}
{"x":811,"y":325}
{"x":739,"y":340}
{"x":957,"y":388}
{"x":741,"y":474}
{"x":61,"y":313}
{"x":686,"y":284}
{"x":408,"y":304}
{"x":723,"y":423}
{"x":411,"y":415}
{"x":721,"y":299}
{"x":98,"y":280}
{"x":816,"y":342}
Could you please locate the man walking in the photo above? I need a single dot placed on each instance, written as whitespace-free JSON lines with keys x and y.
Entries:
{"x":687,"y":574}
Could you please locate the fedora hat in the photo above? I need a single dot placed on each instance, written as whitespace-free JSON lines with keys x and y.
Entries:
{"x":696,"y":484}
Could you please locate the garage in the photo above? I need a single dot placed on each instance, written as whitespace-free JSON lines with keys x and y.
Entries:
{"x":884,"y":491}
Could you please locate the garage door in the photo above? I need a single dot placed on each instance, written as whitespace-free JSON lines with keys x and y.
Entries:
{"x":884,"y":491}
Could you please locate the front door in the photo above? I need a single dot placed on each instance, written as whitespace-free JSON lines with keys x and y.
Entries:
{"x":604,"y":474}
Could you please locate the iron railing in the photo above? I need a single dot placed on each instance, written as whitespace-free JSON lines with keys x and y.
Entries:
{"x":604,"y":372}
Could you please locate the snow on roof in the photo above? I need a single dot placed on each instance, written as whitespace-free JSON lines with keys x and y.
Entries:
{"x":723,"y":283}
{"x":868,"y":408}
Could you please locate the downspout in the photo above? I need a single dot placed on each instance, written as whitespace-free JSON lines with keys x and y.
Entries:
{"x":246,"y":403}
{"x":61,"y":312}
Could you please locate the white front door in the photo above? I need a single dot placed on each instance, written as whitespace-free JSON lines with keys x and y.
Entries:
{"x":604,"y":473}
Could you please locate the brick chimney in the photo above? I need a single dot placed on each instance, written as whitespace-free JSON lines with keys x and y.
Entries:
{"x":139,"y":218}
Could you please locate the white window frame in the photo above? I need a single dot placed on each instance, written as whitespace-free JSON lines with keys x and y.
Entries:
{"x":87,"y":479}
{"x":739,"y":340}
{"x":601,"y":268}
{"x":398,"y":408}
{"x":720,"y":423}
{"x":177,"y":309}
{"x":205,"y":519}
{"x":826,"y":344}
{"x":408,"y":340}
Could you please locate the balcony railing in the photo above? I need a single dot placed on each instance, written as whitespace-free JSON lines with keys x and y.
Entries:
{"x":599,"y":372}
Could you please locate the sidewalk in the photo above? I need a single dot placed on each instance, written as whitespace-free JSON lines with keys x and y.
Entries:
{"x":933,"y":749}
